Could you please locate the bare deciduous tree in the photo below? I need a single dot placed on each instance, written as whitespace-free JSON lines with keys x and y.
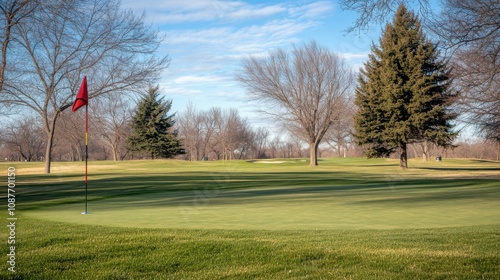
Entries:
{"x":301,"y":89}
{"x":261,"y":139}
{"x":112,"y":114}
{"x":64,"y":40}
{"x":69,"y":137}
{"x":471,"y":23}
{"x":26,"y":138}
{"x":208,"y":127}
{"x":215,"y":133}
{"x":340,"y":134}
{"x":13,"y":12}
{"x":477,"y":76}
{"x":191,"y":128}
{"x":231,"y":134}
{"x":472,"y":29}
{"x":378,"y":11}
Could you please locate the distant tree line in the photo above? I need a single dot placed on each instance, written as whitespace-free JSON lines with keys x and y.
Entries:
{"x":216,"y":134}
{"x":204,"y":135}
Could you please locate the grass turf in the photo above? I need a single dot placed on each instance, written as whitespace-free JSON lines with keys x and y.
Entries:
{"x":347,"y":218}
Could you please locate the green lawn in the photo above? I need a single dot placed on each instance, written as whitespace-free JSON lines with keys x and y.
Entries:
{"x":279,"y":219}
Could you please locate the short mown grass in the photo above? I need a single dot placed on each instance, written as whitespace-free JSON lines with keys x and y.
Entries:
{"x":345,"y":219}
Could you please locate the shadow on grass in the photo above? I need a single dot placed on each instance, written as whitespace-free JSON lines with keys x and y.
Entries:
{"x":46,"y":190}
{"x":470,"y":169}
{"x":231,"y":187}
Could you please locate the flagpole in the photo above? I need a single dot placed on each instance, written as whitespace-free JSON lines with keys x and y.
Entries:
{"x":82,"y":98}
{"x":86,"y":154}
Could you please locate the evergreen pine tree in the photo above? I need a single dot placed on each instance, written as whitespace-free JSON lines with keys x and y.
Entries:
{"x":152,"y":127}
{"x":403,"y":93}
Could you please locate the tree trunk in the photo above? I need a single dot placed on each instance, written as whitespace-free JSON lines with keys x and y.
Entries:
{"x":50,"y":129}
{"x":403,"y":158}
{"x":425,"y":151}
{"x":313,"y":154}
{"x":48,"y":150}
{"x":114,"y":148}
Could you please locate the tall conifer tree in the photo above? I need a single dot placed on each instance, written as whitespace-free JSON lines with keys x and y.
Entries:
{"x":152,"y":127}
{"x":403,"y":93}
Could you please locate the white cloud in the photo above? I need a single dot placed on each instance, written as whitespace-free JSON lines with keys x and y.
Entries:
{"x":174,"y":90}
{"x":354,"y":56}
{"x":197,"y":79}
{"x":198,"y":36}
{"x":175,"y":11}
{"x":312,"y":10}
{"x":245,"y":40}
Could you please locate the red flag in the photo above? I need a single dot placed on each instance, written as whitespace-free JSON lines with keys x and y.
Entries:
{"x":82,"y":98}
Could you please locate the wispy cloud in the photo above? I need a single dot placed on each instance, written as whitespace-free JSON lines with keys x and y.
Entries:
{"x":197,"y":79}
{"x":246,"y":39}
{"x":312,"y":10}
{"x":168,"y":88}
{"x":175,"y":11}
{"x":354,"y":56}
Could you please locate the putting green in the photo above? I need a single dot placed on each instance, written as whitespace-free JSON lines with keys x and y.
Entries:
{"x":336,"y":206}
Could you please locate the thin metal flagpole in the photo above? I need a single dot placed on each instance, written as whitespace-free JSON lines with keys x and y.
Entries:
{"x":86,"y":155}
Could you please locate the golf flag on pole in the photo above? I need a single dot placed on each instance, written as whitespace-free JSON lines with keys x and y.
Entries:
{"x":82,"y":99}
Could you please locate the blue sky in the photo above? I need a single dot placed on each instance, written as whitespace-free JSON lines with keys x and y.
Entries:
{"x":207,"y":40}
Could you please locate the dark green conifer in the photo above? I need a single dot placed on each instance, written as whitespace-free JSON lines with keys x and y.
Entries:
{"x":152,"y":127}
{"x":403,"y":95}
